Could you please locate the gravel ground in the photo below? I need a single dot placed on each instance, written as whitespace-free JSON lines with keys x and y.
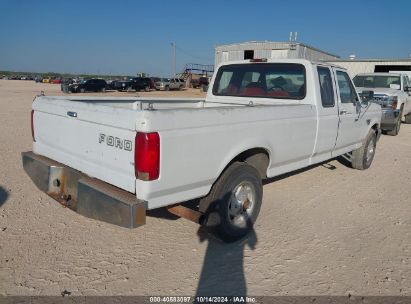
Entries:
{"x":328,"y":230}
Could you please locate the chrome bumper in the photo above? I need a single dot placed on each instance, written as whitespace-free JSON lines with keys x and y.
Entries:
{"x":389,"y":119}
{"x":87,"y":196}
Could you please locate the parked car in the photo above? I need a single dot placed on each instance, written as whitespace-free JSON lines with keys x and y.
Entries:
{"x":260,"y":119}
{"x":38,"y":79}
{"x":135,"y":83}
{"x":45,"y":80}
{"x":56,"y":80}
{"x":170,"y":84}
{"x":141,"y":83}
{"x":90,"y":85}
{"x":392,"y":92}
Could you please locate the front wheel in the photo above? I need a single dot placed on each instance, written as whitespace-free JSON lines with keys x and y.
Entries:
{"x":233,"y":204}
{"x":408,"y":118}
{"x":362,"y":158}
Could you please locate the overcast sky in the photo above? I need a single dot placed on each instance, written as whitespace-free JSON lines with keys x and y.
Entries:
{"x":128,"y":37}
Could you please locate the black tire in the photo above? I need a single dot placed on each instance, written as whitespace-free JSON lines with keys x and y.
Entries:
{"x":362,"y":158}
{"x":220,"y":204}
{"x":407,"y":119}
{"x":180,"y":88}
{"x":396,"y":129}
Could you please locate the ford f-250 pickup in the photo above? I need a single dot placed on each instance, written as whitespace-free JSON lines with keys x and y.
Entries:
{"x":114,"y":158}
{"x":392,"y":92}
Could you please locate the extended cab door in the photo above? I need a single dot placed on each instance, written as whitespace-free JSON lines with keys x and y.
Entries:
{"x":349,"y":127}
{"x":328,"y":118}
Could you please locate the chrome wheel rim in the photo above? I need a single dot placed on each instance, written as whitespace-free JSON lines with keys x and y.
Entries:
{"x":370,"y":150}
{"x":241,"y":204}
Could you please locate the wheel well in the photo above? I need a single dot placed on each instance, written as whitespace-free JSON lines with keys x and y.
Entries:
{"x":256,"y":157}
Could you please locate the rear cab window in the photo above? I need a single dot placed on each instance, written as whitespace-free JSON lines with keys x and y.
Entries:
{"x":261,"y":80}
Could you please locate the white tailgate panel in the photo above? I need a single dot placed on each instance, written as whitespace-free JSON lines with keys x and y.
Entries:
{"x":75,"y":143}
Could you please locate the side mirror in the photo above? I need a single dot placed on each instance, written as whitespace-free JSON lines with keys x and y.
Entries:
{"x":367,"y":96}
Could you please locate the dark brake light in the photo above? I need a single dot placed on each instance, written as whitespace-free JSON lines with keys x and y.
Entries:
{"x":147,"y":156}
{"x":32,"y":125}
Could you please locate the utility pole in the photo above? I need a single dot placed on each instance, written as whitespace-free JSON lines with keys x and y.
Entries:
{"x":173,"y":45}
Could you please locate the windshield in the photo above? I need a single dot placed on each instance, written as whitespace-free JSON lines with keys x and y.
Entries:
{"x":263,"y":80}
{"x":370,"y":81}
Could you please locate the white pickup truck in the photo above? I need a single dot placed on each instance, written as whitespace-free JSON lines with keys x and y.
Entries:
{"x":392,"y":92}
{"x":112,"y":159}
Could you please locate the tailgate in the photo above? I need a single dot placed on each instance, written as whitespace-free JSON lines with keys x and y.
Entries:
{"x":95,"y":137}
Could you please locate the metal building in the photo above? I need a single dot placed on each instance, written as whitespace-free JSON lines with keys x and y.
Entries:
{"x":356,"y":66}
{"x":269,"y":50}
{"x":293,"y":49}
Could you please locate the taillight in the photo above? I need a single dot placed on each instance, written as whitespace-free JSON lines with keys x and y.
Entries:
{"x":32,"y":125}
{"x":147,"y":156}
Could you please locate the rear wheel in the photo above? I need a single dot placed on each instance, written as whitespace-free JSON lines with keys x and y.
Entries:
{"x":233,"y":204}
{"x":408,"y":118}
{"x":362,"y":158}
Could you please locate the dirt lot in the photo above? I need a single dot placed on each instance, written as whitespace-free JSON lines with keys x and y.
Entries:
{"x":327,"y":230}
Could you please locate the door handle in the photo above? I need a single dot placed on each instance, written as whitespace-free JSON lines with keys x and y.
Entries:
{"x":343,"y":112}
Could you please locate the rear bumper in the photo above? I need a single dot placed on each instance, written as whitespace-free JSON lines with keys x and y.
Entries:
{"x":90,"y":197}
{"x":389,"y":119}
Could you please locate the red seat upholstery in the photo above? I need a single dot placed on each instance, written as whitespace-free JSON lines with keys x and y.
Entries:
{"x":253,"y":89}
{"x":278,"y":93}
{"x":254,"y":92}
{"x":232,"y":89}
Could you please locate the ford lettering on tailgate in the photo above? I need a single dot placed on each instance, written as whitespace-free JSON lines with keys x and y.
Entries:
{"x":116,"y":142}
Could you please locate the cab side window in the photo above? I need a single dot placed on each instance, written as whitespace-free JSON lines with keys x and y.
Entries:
{"x":326,"y":87}
{"x":347,"y":90}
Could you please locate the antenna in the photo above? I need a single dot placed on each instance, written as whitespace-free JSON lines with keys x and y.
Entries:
{"x":295,"y":36}
{"x":291,"y":36}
